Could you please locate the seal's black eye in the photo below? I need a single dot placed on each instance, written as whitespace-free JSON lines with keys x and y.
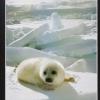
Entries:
{"x":44,"y":72}
{"x":54,"y":72}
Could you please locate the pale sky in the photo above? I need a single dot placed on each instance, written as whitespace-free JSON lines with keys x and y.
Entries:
{"x":28,"y":1}
{"x":39,"y":1}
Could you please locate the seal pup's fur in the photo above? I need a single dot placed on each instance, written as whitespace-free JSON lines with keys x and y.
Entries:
{"x":43,"y":72}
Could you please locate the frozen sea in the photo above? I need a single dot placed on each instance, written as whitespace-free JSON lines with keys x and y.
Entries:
{"x":65,"y":30}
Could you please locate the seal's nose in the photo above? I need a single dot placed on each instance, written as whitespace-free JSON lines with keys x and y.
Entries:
{"x":49,"y":80}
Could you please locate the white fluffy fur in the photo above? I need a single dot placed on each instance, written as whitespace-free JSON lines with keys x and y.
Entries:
{"x":32,"y":71}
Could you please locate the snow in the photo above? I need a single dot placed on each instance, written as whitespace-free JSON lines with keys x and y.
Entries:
{"x":14,"y":55}
{"x":84,"y":89}
{"x":78,"y":66}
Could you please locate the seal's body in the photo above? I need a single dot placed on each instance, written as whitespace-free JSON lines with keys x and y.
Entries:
{"x":45,"y":73}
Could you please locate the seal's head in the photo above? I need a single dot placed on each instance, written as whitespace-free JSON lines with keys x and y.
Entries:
{"x":52,"y":74}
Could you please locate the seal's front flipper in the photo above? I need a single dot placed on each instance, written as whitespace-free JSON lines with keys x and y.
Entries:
{"x":69,"y":78}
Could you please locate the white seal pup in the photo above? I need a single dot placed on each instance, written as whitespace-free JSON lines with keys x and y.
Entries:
{"x":43,"y":72}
